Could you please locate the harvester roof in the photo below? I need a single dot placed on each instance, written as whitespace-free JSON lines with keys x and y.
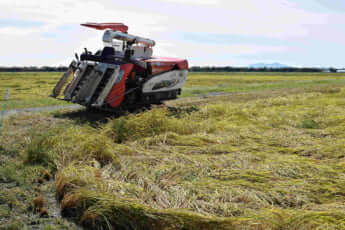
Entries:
{"x":102,"y":26}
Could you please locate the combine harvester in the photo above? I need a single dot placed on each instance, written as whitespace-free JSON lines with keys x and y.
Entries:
{"x":123,"y":75}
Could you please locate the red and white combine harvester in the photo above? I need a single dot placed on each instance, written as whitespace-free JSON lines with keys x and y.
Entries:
{"x":123,"y":75}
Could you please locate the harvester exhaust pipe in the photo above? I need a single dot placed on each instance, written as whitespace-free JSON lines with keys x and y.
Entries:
{"x":109,"y":35}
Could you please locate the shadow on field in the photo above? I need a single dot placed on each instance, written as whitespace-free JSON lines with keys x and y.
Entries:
{"x":95,"y":117}
{"x":89,"y":116}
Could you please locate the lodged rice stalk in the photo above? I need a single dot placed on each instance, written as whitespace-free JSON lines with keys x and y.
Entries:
{"x":271,"y":163}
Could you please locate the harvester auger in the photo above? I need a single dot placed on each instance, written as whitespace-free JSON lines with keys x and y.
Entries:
{"x":123,"y":75}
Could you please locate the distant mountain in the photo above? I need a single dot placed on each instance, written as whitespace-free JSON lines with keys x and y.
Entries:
{"x":269,"y":66}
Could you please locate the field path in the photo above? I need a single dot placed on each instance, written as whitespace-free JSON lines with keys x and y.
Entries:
{"x":12,"y":112}
{"x":40,"y":109}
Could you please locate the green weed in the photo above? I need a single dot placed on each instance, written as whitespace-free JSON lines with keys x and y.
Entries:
{"x":8,"y":152}
{"x":309,"y":124}
{"x":38,"y":150}
{"x":9,"y":173}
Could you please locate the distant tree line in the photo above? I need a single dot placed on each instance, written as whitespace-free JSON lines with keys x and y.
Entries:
{"x":192,"y":69}
{"x":246,"y":69}
{"x":33,"y":69}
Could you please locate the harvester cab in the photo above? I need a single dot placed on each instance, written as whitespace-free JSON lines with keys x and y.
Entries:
{"x":123,"y":74}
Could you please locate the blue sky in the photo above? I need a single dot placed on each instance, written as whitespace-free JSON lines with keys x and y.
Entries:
{"x":206,"y":32}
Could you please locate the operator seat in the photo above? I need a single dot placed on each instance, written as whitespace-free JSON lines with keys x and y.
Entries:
{"x":107,"y":52}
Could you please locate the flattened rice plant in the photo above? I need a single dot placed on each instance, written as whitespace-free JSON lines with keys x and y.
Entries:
{"x":226,"y":165}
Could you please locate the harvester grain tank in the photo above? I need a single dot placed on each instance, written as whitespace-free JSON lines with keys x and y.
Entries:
{"x":123,"y":74}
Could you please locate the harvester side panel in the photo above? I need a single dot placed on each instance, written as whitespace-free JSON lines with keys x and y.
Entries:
{"x":169,"y":81}
{"x":161,"y":65}
{"x":117,"y":93}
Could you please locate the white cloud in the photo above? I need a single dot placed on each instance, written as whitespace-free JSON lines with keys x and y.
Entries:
{"x":193,"y":51}
{"x":16,"y":31}
{"x":274,"y":19}
{"x":194,"y":2}
{"x":269,"y":18}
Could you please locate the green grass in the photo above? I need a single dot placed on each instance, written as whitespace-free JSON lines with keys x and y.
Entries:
{"x":268,"y":158}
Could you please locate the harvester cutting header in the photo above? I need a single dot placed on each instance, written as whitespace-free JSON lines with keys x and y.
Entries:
{"x":122,"y":75}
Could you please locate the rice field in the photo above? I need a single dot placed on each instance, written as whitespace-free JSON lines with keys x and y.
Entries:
{"x":28,"y":89}
{"x":33,"y":89}
{"x":269,"y":156}
{"x":203,"y":83}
